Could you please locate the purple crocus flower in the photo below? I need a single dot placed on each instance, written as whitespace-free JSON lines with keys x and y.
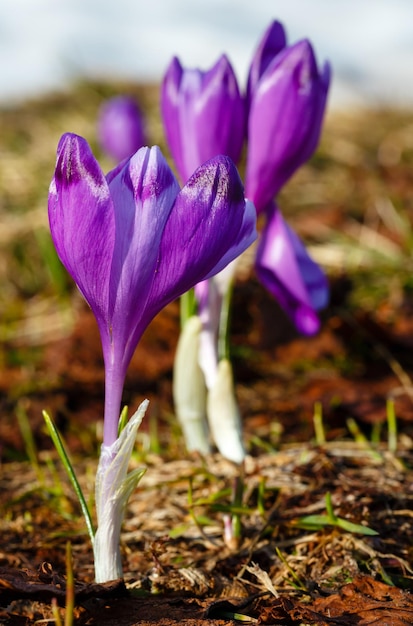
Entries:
{"x":133,"y":242}
{"x":286,"y":270}
{"x":287,"y":104}
{"x":203,"y":114}
{"x":285,"y":119}
{"x":120,"y":127}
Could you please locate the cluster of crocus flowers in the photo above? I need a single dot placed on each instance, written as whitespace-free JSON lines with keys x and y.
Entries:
{"x":120,"y":127}
{"x":133,"y":241}
{"x":280,"y":116}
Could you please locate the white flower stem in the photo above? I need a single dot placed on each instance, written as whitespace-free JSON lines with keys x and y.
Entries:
{"x":189,"y":389}
{"x":113,"y":488}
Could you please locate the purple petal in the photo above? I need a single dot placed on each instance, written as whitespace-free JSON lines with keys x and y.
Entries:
{"x":273,"y":41}
{"x":285,"y":121}
{"x":290,"y":275}
{"x":209,"y":226}
{"x":203,"y":114}
{"x":143,"y":193}
{"x":82,"y":222}
{"x":170,"y":103}
{"x":120,"y":127}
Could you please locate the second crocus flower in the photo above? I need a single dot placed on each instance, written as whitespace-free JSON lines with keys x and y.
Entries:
{"x":287,"y":100}
{"x":203,"y":114}
{"x":287,"y":106}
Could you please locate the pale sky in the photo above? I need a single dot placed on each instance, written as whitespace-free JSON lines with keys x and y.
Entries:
{"x":47,"y":43}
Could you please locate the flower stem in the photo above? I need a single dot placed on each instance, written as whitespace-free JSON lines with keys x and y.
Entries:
{"x":187,"y":305}
{"x":223,"y":333}
{"x":113,"y":488}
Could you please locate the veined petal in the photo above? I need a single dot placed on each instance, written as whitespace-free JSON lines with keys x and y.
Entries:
{"x":220,"y":115}
{"x":290,"y":275}
{"x":143,"y":192}
{"x":203,"y":114}
{"x":209,"y":226}
{"x":82,"y":222}
{"x":246,"y":238}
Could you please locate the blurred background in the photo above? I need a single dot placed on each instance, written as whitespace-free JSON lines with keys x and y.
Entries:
{"x":47,"y":43}
{"x":352,"y":204}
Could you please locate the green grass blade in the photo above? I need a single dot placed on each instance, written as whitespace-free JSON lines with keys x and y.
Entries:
{"x":54,"y":434}
{"x":391,"y":426}
{"x":329,"y":506}
{"x":123,"y":420}
{"x":355,"y":528}
{"x":224,"y":322}
{"x":187,"y":306}
{"x":319,"y":431}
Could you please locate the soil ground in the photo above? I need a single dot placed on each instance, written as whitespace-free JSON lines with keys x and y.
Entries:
{"x":353,"y":206}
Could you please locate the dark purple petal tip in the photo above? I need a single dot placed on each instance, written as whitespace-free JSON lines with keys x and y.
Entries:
{"x":219,"y":177}
{"x":75,"y":161}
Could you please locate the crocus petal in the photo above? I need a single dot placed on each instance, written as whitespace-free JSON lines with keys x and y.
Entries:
{"x":203,"y":114}
{"x":82,"y":221}
{"x":143,"y":192}
{"x":209,"y":226}
{"x":290,"y":275}
{"x":120,"y":127}
{"x":285,"y":120}
{"x":272,"y":42}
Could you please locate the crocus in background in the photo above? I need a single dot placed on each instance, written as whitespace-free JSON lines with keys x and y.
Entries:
{"x":286,"y":109}
{"x":133,"y":242}
{"x":203,"y":115}
{"x":120,"y":127}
